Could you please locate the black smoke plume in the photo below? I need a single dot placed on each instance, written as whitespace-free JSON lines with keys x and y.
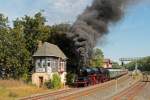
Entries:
{"x":92,"y":24}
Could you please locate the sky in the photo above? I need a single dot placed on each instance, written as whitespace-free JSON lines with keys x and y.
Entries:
{"x":130,"y":37}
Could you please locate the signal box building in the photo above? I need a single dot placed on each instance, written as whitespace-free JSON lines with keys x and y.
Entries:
{"x":48,"y":59}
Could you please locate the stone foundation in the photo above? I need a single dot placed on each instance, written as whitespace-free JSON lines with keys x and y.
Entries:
{"x":40,"y":78}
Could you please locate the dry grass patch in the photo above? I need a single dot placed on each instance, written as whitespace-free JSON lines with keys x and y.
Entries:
{"x":13,"y":89}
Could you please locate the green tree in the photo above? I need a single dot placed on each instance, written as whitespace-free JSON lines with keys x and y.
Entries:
{"x":3,"y":21}
{"x":23,"y":55}
{"x":70,"y":78}
{"x":33,"y":29}
{"x":13,"y":54}
{"x":143,"y":64}
{"x":97,"y":58}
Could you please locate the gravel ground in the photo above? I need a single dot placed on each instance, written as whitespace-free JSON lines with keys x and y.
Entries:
{"x":145,"y":93}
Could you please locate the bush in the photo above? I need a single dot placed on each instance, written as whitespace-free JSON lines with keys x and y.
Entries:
{"x":48,"y":84}
{"x":56,"y":81}
{"x":26,"y":78}
{"x":70,"y":78}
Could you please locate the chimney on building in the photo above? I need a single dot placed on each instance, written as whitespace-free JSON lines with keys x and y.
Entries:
{"x":39,"y":44}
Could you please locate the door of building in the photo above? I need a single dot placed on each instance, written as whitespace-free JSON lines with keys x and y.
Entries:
{"x":40,"y":81}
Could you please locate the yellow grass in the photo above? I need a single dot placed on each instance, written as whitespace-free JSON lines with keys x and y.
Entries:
{"x":13,"y":89}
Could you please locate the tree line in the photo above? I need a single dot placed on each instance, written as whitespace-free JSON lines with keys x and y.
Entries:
{"x":143,"y":64}
{"x":19,"y":42}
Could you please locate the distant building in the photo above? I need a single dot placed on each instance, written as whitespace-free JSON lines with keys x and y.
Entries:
{"x":107,"y":63}
{"x":48,"y":59}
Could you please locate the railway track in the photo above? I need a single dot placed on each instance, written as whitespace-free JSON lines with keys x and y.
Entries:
{"x":93,"y":89}
{"x":47,"y":95}
{"x":131,"y":92}
{"x":72,"y":93}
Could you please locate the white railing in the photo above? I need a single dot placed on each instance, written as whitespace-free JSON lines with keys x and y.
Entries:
{"x":39,"y":70}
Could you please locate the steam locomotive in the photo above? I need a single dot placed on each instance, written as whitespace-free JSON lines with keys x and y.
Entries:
{"x":91,"y":76}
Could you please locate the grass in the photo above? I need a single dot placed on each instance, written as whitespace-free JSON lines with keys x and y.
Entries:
{"x":13,"y":89}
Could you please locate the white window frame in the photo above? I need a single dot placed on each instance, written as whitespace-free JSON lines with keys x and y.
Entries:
{"x":49,"y":67}
{"x":44,"y":62}
{"x":62,"y":66}
{"x":38,"y":62}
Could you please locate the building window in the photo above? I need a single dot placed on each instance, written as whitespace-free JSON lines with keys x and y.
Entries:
{"x":62,"y":66}
{"x":51,"y":64}
{"x":48,"y":64}
{"x":38,"y":63}
{"x":54,"y":63}
{"x":43,"y":63}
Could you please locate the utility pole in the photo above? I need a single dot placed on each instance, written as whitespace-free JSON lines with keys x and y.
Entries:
{"x":136,"y":66}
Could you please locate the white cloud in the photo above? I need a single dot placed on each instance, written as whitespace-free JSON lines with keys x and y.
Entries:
{"x":68,"y":6}
{"x":56,"y":11}
{"x":65,"y":10}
